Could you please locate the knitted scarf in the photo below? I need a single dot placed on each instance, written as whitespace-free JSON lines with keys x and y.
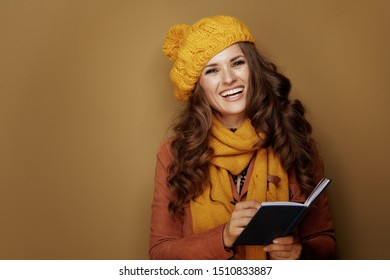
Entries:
{"x":233,"y":151}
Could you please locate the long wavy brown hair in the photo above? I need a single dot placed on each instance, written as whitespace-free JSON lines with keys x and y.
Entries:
{"x":270,"y":110}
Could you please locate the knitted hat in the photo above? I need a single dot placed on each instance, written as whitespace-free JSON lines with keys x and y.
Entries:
{"x":190,"y":47}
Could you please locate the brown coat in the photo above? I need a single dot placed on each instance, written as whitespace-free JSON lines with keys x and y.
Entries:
{"x":172,"y":238}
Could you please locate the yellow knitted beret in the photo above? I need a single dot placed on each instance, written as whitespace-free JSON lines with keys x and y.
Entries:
{"x":190,"y":47}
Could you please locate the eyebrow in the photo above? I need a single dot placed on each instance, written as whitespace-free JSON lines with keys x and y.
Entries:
{"x":231,"y":60}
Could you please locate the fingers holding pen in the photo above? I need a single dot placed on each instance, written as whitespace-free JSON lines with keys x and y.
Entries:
{"x":241,"y":215}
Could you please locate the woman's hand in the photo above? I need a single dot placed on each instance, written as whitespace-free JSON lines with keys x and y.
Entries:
{"x":241,"y":215}
{"x":284,"y":248}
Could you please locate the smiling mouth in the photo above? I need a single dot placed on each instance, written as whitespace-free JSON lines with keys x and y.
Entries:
{"x":232,"y":92}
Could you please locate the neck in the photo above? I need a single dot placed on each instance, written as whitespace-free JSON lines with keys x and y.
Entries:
{"x":231,"y":122}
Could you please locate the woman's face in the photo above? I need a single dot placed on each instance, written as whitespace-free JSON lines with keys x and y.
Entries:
{"x":224,"y":80}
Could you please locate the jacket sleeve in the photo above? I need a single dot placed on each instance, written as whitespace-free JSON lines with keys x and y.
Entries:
{"x":171,"y":236}
{"x":316,"y":230}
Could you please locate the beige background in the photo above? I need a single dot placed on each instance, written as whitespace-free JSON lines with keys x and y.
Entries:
{"x":85,"y":99}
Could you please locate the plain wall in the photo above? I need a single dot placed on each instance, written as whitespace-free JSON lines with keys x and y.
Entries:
{"x":85,"y":100}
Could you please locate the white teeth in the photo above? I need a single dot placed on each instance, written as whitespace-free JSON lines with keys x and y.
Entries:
{"x":232,"y":91}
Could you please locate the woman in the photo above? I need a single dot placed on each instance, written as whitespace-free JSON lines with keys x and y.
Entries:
{"x":238,"y":142}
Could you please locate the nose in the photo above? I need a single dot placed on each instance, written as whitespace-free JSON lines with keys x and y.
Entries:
{"x":229,"y":76}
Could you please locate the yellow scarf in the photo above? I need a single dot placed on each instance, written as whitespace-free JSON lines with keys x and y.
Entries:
{"x":233,"y":151}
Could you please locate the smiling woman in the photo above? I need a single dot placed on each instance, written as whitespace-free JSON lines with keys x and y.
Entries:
{"x":238,"y":142}
{"x":225,"y":84}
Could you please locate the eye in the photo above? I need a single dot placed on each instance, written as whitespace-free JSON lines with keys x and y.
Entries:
{"x":210,"y":71}
{"x":239,"y":62}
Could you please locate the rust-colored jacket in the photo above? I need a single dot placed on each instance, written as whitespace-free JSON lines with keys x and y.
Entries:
{"x":172,"y":237}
